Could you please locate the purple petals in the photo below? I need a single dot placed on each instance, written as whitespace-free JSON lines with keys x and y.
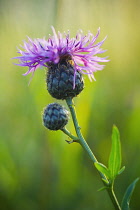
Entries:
{"x":82,"y":49}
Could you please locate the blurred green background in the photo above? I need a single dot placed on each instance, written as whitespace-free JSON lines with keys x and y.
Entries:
{"x":38,"y":169}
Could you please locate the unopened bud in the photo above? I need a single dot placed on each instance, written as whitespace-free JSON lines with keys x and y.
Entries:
{"x":55,"y":116}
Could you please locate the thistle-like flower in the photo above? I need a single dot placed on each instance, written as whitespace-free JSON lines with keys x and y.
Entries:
{"x":66,"y":58}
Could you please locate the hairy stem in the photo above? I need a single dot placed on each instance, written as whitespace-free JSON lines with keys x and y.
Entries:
{"x":89,"y":152}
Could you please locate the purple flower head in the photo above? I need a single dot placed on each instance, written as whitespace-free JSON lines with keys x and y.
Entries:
{"x":82,"y":50}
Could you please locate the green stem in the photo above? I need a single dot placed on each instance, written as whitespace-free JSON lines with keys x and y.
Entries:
{"x":113,"y":198}
{"x":69,"y":134}
{"x":90,"y":153}
{"x":78,"y":130}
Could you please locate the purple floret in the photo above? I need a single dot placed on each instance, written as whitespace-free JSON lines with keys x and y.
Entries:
{"x":82,"y":50}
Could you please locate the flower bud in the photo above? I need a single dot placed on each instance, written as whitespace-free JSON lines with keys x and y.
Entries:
{"x":55,"y":116}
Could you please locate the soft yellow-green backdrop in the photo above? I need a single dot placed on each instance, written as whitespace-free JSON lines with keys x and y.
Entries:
{"x":38,"y":169}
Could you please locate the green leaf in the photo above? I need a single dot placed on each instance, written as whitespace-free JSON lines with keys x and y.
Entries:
{"x":102,"y":188}
{"x":114,"y":163}
{"x":128,"y":194}
{"x":103,"y":169}
{"x":105,"y":181}
{"x":122,"y":169}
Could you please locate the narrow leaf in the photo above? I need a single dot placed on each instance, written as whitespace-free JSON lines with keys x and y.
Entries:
{"x":128,"y":194}
{"x":114,"y":163}
{"x":105,"y":181}
{"x":102,"y":168}
{"x":102,"y":188}
{"x":122,"y":169}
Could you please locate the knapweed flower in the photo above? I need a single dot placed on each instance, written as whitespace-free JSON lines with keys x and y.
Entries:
{"x":66,"y":58}
{"x":55,"y":116}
